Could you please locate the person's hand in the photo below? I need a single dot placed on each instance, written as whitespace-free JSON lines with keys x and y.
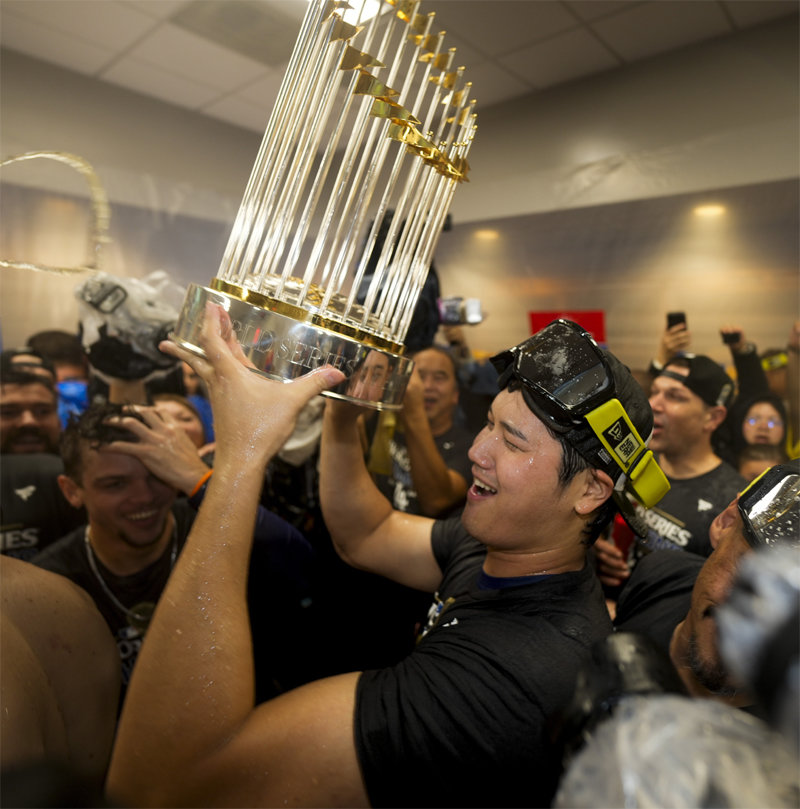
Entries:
{"x":740,"y":343}
{"x":163,"y":447}
{"x":457,"y":341}
{"x":612,"y":569}
{"x":414,"y":400}
{"x":342,"y":412}
{"x":674,"y":340}
{"x":253,"y":416}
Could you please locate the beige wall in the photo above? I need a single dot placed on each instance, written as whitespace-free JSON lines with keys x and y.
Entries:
{"x":589,"y":187}
{"x":636,"y":261}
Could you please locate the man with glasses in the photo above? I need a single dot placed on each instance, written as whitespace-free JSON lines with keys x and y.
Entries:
{"x":673,"y":598}
{"x":462,"y":721}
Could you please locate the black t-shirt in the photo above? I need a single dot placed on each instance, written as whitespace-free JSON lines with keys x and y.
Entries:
{"x":279,"y":589}
{"x":33,"y":511}
{"x":462,"y":720}
{"x":682,"y":518}
{"x":657,"y":596}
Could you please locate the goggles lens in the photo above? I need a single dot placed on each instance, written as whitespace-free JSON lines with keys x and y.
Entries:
{"x":563,"y":365}
{"x":770,"y":506}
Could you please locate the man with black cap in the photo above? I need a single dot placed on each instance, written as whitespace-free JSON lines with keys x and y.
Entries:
{"x":689,"y":398}
{"x":462,"y":721}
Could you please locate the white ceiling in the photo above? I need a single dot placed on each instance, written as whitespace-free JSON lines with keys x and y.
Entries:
{"x":226,"y":58}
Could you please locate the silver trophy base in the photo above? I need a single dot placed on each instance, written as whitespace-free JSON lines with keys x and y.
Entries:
{"x":283,"y":347}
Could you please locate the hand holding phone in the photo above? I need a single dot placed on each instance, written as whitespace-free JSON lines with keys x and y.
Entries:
{"x":674,"y":318}
{"x":675,"y":339}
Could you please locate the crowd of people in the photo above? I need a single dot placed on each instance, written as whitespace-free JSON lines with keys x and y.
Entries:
{"x":220,"y":589}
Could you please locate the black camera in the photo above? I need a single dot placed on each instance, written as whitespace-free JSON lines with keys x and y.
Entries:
{"x":459,"y":311}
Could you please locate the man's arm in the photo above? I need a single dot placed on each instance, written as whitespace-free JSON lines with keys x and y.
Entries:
{"x":750,"y":376}
{"x":674,"y":339}
{"x":189,"y":732}
{"x":366,"y":531}
{"x":438,"y":487}
{"x":59,"y":674}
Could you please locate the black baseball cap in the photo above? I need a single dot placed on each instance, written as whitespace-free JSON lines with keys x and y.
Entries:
{"x":706,"y":378}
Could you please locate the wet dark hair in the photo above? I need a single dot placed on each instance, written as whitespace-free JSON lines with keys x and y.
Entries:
{"x":573,"y":463}
{"x":91,"y":429}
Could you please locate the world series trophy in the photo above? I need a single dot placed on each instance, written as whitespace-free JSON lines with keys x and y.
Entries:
{"x":345,"y":203}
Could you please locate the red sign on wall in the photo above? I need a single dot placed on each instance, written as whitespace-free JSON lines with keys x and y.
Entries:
{"x":593,"y":320}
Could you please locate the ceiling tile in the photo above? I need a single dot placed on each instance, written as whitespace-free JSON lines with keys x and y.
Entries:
{"x":560,"y":59}
{"x":491,"y":85}
{"x":752,"y":12}
{"x":465,"y":53}
{"x":155,"y":81}
{"x":259,"y":31}
{"x":185,"y":54}
{"x":652,"y":28}
{"x":543,"y":42}
{"x":108,"y":23}
{"x":162,"y":10}
{"x":594,"y":9}
{"x":32,"y":38}
{"x":503,"y":25}
{"x":241,"y":112}
{"x":263,"y":90}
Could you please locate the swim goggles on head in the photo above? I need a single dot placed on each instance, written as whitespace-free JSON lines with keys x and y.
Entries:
{"x":770,"y":506}
{"x":568,"y":383}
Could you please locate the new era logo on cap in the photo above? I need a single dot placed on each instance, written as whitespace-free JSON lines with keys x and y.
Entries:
{"x":622,"y":441}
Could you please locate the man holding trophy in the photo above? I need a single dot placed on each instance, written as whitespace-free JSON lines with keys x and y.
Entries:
{"x":462,"y":720}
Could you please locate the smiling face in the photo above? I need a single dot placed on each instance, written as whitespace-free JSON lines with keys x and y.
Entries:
{"x":516,"y":501}
{"x":694,"y":648}
{"x":763,"y":425}
{"x":28,"y":419}
{"x":126,"y":504}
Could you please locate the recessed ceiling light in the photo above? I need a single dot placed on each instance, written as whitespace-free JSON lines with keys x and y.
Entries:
{"x":709,"y":210}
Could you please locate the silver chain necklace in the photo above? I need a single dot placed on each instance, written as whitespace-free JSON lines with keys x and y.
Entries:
{"x":140,"y":614}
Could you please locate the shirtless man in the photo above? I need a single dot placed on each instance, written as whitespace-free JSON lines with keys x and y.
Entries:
{"x":59,"y":677}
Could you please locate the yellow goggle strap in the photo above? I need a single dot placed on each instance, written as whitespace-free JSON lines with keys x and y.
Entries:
{"x":615,"y":431}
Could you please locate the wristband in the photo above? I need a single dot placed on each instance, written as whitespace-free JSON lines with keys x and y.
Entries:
{"x":201,"y":482}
